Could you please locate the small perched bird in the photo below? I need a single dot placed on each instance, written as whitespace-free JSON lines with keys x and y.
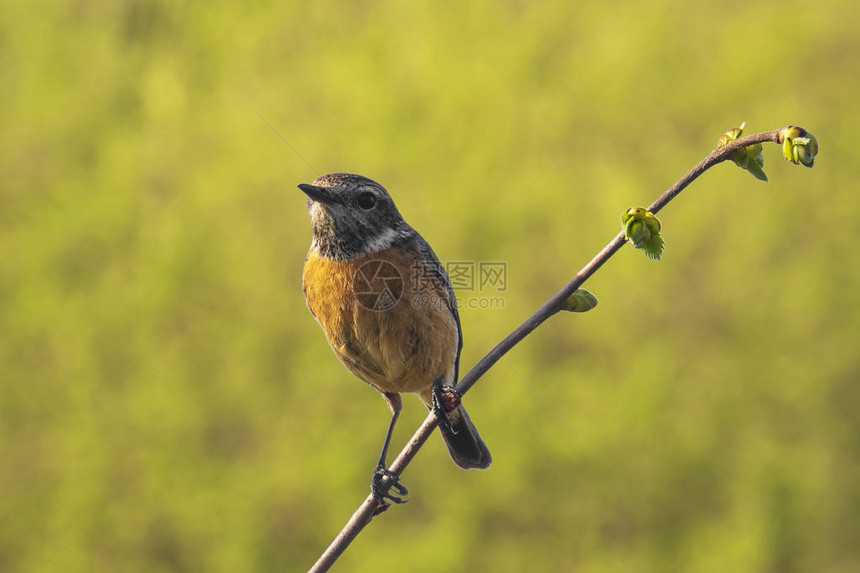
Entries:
{"x":388,"y":311}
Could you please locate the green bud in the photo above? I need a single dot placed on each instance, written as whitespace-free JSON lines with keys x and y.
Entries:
{"x":731,"y":135}
{"x":749,"y":157}
{"x":637,"y":232}
{"x":642,"y":229}
{"x":580,"y":301}
{"x":798,"y":145}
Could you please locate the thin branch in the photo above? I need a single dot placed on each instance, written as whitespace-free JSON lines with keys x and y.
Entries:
{"x":366,"y":511}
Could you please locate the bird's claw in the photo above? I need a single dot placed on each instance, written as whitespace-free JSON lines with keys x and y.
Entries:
{"x":381,"y":487}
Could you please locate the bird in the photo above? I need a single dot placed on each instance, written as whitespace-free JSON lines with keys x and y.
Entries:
{"x":388,"y":311}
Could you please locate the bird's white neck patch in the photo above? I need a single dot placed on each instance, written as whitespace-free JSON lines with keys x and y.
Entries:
{"x":382,"y":241}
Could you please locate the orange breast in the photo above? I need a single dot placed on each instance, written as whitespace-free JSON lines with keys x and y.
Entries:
{"x":393,"y":334}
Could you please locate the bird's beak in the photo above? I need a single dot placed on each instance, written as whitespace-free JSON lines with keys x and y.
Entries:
{"x":320,"y":194}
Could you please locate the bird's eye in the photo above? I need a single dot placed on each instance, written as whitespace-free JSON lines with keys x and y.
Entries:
{"x":367,"y":201}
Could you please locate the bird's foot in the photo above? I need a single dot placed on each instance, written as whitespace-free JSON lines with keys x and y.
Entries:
{"x":381,"y":486}
{"x":446,"y":399}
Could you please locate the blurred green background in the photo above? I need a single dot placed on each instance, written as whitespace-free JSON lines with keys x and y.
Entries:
{"x":169,"y":404}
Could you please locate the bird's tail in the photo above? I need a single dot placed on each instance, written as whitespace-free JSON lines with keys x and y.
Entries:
{"x":464,"y":443}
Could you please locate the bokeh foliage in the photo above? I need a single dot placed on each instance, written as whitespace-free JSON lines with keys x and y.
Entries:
{"x":168,"y":404}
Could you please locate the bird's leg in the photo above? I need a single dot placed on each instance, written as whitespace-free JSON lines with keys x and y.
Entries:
{"x":384,"y":480}
{"x":446,"y":399}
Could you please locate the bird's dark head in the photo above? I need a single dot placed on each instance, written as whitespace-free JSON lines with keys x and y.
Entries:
{"x":352,"y":215}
